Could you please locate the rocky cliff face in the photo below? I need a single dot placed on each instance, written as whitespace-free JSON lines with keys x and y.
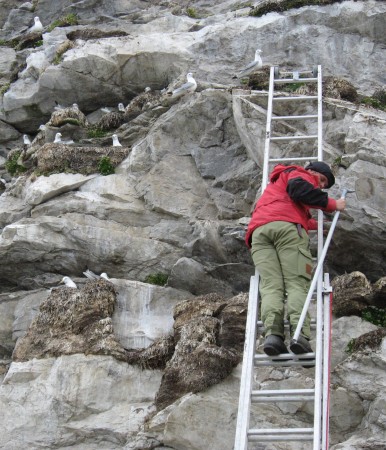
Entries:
{"x":172,"y":201}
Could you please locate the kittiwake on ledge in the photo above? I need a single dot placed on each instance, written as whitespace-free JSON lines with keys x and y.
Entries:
{"x":93,"y":276}
{"x":26,"y":140}
{"x":68,"y":282}
{"x":37,"y":26}
{"x":58,"y":140}
{"x":257,"y":63}
{"x":116,"y":142}
{"x":189,"y":87}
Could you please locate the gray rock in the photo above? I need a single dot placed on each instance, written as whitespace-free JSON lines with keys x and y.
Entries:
{"x":70,"y":384}
{"x":344,"y":330}
{"x":178,"y":205}
{"x":144,"y":312}
{"x":191,"y":275}
{"x":45,"y":188}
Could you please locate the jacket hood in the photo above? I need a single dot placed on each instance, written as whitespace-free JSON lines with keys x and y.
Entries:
{"x":278,"y":170}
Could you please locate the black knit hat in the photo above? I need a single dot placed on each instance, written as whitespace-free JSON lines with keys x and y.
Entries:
{"x":324,"y":169}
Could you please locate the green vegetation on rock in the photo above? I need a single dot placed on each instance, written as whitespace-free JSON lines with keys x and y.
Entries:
{"x":375,"y":315}
{"x":105,"y":167}
{"x":66,"y":21}
{"x":160,"y":279}
{"x":12,"y":166}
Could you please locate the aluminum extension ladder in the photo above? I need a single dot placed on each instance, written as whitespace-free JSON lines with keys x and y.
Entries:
{"x":319,"y":394}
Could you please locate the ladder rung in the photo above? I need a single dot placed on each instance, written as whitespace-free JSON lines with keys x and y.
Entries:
{"x":285,"y":360}
{"x":297,"y":97}
{"x":281,"y":434}
{"x":308,"y":116}
{"x":293,"y":398}
{"x":295,"y":80}
{"x":286,"y":323}
{"x":286,"y":356}
{"x":301,"y":158}
{"x":283,"y":395}
{"x":300,"y":72}
{"x":294,"y":138}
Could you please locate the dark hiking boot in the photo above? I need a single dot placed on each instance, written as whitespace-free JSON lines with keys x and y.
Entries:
{"x":300,"y":347}
{"x":274,"y":345}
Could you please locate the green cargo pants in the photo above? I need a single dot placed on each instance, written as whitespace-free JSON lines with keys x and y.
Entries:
{"x":284,"y":263}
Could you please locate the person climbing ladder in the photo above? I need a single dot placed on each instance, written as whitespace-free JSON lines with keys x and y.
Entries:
{"x":278,"y":237}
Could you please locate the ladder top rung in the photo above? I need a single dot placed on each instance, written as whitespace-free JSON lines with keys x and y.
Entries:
{"x":295,"y":80}
{"x":297,"y":97}
{"x":301,"y":158}
{"x":302,"y":71}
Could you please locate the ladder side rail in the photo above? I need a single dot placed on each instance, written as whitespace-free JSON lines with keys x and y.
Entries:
{"x":327,"y":310}
{"x":241,"y":437}
{"x":268,"y":130}
{"x":318,"y":364}
{"x":317,"y":271}
{"x":320,"y":114}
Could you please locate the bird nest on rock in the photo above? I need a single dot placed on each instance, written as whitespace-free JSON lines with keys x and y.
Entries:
{"x":73,"y":321}
{"x":71,"y":115}
{"x":58,"y":158}
{"x":207,"y":347}
{"x":94,"y":33}
{"x":153,"y":357}
{"x":369,"y":341}
{"x":268,"y":6}
{"x":259,"y":80}
{"x":332,"y":87}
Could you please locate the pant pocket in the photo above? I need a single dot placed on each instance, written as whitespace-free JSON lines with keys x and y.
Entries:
{"x":305,"y":265}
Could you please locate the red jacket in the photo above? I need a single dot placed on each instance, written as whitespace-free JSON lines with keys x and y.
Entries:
{"x":288,"y":197}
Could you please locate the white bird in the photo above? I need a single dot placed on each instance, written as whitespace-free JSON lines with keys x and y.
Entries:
{"x":188,"y":87}
{"x":37,"y":26}
{"x":68,"y":282}
{"x":121,"y":107}
{"x":147,"y":89}
{"x":58,"y":140}
{"x":93,"y":276}
{"x":40,"y":138}
{"x":26,"y":140}
{"x":106,"y":109}
{"x":257,"y":63}
{"x":116,"y":142}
